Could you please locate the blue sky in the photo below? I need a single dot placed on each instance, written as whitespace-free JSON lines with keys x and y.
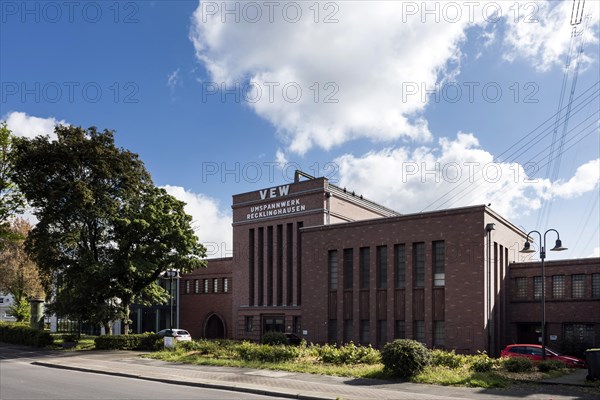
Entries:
{"x":390,"y":91}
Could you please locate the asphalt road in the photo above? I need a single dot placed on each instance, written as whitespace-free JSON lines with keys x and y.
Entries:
{"x":19,"y":380}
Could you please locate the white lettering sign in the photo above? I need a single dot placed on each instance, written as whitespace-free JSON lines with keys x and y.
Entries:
{"x":275,"y":208}
{"x":274,"y":192}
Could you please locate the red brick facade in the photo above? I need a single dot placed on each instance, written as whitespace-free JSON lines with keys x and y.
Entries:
{"x":315,"y":259}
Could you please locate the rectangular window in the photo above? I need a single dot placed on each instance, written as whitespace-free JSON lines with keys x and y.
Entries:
{"x":381,"y":260}
{"x":400,"y":330}
{"x":332,"y":331}
{"x":419,"y":331}
{"x":196,"y":286}
{"x":225,"y":285}
{"x":206,"y":286}
{"x":400,"y":265}
{"x":381,"y":332}
{"x":348,"y":268}
{"x":215,"y":285}
{"x":596,"y":286}
{"x":365,"y":262}
{"x":439,"y":270}
{"x":347,"y":330}
{"x":297,"y":325}
{"x":578,"y":337}
{"x":364,"y":331}
{"x":333,"y":269}
{"x":419,"y":264}
{"x":187,"y":288}
{"x":439,"y":334}
{"x":578,"y":286}
{"x":248,"y":324}
{"x":520,"y":288}
{"x":537,"y":287}
{"x":558,"y":286}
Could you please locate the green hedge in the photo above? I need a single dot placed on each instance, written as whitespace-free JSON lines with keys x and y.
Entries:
{"x":517,"y":364}
{"x":267,"y":353}
{"x":144,"y":341}
{"x":405,"y":358}
{"x":18,"y":333}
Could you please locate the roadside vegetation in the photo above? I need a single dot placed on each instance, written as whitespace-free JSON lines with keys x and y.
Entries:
{"x":400,"y":360}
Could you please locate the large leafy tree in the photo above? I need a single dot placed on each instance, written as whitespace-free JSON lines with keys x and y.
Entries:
{"x":105,"y":232}
{"x":11,"y":200}
{"x":19,"y":274}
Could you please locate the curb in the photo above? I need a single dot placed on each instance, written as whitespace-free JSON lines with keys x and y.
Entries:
{"x":231,"y":388}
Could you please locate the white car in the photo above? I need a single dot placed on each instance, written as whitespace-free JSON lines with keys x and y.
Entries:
{"x":181,"y":335}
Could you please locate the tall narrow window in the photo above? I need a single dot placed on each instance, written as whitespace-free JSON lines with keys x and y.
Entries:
{"x":270,"y":265}
{"x":289,"y":243}
{"x":333,"y":269}
{"x":332,"y":331}
{"x":419,"y":264}
{"x":196,"y":286}
{"x":206,"y":286}
{"x":381,"y":259}
{"x":248,"y":323}
{"x":348,"y":268}
{"x":261,"y":265}
{"x":187,"y":286}
{"x":577,"y":286}
{"x":251,"y":267}
{"x":520,"y":291}
{"x":595,"y":286}
{"x":558,"y":286}
{"x":279,"y":265}
{"x":439,"y":272}
{"x":419,"y":331}
{"x":381,"y":332}
{"x":439,"y":334}
{"x":400,"y":330}
{"x":364,"y":331}
{"x":225,"y":285}
{"x":400,"y":265}
{"x":364,"y":266}
{"x":347,"y":330}
{"x":297,"y":325}
{"x":215,"y":285}
{"x":537,"y":287}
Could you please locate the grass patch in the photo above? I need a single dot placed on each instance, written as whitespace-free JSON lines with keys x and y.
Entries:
{"x":439,"y":375}
{"x":85,"y":342}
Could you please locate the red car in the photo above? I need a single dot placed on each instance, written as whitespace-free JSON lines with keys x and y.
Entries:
{"x":534,"y":353}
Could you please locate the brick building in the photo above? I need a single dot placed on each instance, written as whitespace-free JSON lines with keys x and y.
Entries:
{"x":326,"y":263}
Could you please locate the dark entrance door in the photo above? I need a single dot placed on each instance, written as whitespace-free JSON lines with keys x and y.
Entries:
{"x":529,"y":333}
{"x":214,"y":328}
{"x":273,"y":324}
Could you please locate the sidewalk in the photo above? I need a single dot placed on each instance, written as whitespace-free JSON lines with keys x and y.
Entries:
{"x":294,"y":385}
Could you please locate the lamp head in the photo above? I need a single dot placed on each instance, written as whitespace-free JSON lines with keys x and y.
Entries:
{"x":558,"y":246}
{"x":527,"y":248}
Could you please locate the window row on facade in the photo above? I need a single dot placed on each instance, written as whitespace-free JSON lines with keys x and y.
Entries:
{"x":209,"y":285}
{"x":381,"y":266}
{"x":556,"y":288}
{"x":381,"y":334}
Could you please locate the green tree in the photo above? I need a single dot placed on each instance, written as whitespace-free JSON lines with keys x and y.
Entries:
{"x":105,"y":232}
{"x":20,"y":309}
{"x":11,"y":200}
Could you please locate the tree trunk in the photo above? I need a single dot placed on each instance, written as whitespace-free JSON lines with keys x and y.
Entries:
{"x":107,"y":328}
{"x":126,"y":321}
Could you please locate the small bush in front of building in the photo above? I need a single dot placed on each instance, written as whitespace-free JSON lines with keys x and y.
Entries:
{"x":481,"y":363}
{"x":19,"y":333}
{"x":517,"y":364}
{"x":144,"y":341}
{"x":274,"y":338}
{"x":348,"y":354}
{"x":405,"y":358}
{"x":447,"y":359}
{"x":210,"y":348}
{"x":550,"y":365}
{"x":267,"y":353}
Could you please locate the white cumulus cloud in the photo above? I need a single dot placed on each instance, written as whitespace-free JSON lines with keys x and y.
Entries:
{"x":211,"y":223}
{"x":586,"y":179}
{"x":28,"y":126}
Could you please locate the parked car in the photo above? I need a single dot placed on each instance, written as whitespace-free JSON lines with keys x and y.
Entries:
{"x":292,"y":338}
{"x":534,"y":353}
{"x":180,"y":335}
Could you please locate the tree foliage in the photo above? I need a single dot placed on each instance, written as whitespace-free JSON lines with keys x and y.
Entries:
{"x":11,"y":200}
{"x":19,"y":274}
{"x":105,"y":232}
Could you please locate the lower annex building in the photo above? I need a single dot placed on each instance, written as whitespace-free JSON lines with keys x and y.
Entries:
{"x":331,"y":266}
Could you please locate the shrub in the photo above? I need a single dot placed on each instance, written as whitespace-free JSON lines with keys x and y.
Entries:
{"x":266,"y":353}
{"x":70,"y":338}
{"x":274,"y":338}
{"x":481,"y":363}
{"x":22,"y":334}
{"x":517,"y":364}
{"x":214,"y":348}
{"x":550,"y":365}
{"x":405,"y":357}
{"x":144,"y":341}
{"x":447,"y":359}
{"x":348,"y":354}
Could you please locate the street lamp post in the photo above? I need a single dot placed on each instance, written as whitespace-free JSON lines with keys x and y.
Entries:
{"x":527,"y":249}
{"x":171,"y":274}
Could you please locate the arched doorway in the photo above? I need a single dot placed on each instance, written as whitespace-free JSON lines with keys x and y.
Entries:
{"x":214,"y":328}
